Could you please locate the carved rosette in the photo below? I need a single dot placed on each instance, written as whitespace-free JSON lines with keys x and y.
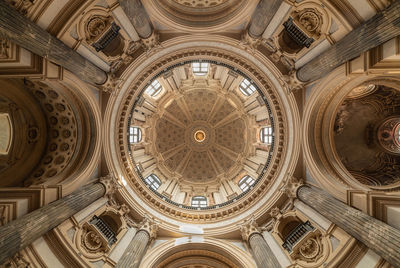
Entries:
{"x":248,"y":228}
{"x":291,"y":186}
{"x":17,"y":261}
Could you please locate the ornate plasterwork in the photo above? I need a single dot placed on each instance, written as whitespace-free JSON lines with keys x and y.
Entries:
{"x":62,"y":132}
{"x":248,"y":228}
{"x":200,"y":3}
{"x":17,"y":261}
{"x":110,"y":184}
{"x":200,"y":109}
{"x":5,"y":46}
{"x":200,"y":16}
{"x":291,"y":186}
{"x":22,"y":6}
{"x":150,"y":226}
{"x":159,"y":62}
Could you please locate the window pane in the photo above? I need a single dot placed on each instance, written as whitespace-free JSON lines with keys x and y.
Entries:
{"x":200,"y":68}
{"x":199,"y":201}
{"x":153,"y":181}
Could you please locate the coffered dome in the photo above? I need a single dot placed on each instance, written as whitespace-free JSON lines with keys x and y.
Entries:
{"x":202,"y":133}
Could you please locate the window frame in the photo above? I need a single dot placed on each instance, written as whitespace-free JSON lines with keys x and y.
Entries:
{"x":135,"y":137}
{"x":266,"y":135}
{"x":153,"y":181}
{"x":202,"y":68}
{"x":154,"y":88}
{"x":199,"y":201}
{"x":247,"y":87}
{"x":245,"y":181}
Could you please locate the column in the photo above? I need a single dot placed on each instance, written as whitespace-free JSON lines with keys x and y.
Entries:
{"x":375,"y":234}
{"x":23,"y":32}
{"x":262,"y":253}
{"x":21,"y":232}
{"x":136,"y":13}
{"x":137,"y":248}
{"x":262,"y":16}
{"x":377,"y":30}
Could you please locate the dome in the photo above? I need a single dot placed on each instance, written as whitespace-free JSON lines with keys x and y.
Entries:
{"x":202,"y":132}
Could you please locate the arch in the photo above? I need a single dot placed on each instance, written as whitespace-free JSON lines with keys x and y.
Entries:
{"x":323,"y":161}
{"x":223,"y":251}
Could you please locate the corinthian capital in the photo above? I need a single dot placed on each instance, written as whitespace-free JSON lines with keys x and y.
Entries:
{"x":291,"y":186}
{"x":248,"y":228}
{"x":110,"y":183}
{"x":292,"y":83}
{"x":150,"y":226}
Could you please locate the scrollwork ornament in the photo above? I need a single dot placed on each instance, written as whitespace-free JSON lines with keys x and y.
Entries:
{"x":291,"y":186}
{"x":292,"y":83}
{"x":150,"y":226}
{"x":248,"y":228}
{"x":309,"y":249}
{"x":17,"y":261}
{"x":151,"y":43}
{"x":111,"y":185}
{"x":249,"y":43}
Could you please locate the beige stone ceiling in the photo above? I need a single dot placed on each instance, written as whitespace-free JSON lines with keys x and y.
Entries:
{"x":221,"y":145}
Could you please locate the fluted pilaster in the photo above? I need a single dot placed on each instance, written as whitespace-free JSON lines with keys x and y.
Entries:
{"x":262,"y":253}
{"x":137,"y":248}
{"x":377,"y":30}
{"x":23,"y":32}
{"x":375,"y":234}
{"x":136,"y":13}
{"x":262,"y":16}
{"x":135,"y":251}
{"x":21,"y":232}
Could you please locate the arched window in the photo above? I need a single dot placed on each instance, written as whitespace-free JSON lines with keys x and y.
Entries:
{"x":246,"y":182}
{"x":199,"y":201}
{"x":135,"y":135}
{"x":153,"y":181}
{"x":154,"y":88}
{"x":266,"y":135}
{"x":246,"y":87}
{"x":200,"y":68}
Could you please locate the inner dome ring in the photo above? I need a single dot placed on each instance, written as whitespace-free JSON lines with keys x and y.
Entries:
{"x":203,"y":146}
